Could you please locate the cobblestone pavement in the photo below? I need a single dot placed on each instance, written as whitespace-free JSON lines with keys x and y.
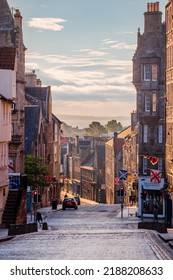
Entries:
{"x":93,"y":232}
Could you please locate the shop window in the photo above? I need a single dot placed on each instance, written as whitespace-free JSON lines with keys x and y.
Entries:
{"x":153,"y":198}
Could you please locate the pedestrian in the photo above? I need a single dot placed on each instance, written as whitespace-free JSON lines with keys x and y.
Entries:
{"x":155,"y":212}
{"x":39,"y":218}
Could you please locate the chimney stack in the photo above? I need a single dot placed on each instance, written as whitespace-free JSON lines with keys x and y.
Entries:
{"x":77,"y":144}
{"x":153,"y":7}
{"x":153,"y":18}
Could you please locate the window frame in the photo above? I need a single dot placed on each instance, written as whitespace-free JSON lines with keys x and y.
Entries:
{"x":147,"y":102}
{"x":145,"y":133}
{"x":154,"y":72}
{"x":154,"y":102}
{"x":147,"y":72}
{"x":145,"y":165}
{"x":160,"y":134}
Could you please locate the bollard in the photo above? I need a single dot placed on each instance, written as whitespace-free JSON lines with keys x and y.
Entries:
{"x":45,"y":227}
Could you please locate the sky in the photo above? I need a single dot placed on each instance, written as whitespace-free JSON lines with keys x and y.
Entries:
{"x":83,"y":49}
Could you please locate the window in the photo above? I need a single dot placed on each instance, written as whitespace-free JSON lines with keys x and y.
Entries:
{"x":160,"y":134}
{"x":145,"y":133}
{"x":3,"y":154}
{"x":12,"y":129}
{"x":144,"y":165}
{"x":150,"y":72}
{"x":160,"y":165}
{"x":147,"y":72}
{"x":154,"y":72}
{"x":147,"y":102}
{"x":154,"y":96}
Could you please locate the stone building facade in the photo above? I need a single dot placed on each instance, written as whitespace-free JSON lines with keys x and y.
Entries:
{"x":169,"y":101}
{"x":114,"y":163}
{"x":149,"y":81}
{"x":42,"y":133}
{"x":11,"y":36}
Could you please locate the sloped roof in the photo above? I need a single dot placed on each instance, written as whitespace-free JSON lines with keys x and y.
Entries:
{"x":56,"y":119}
{"x":6,"y":23}
{"x":38,"y":95}
{"x":7,"y":58}
{"x":32,"y":114}
{"x":89,"y":161}
{"x":6,"y":18}
{"x":4,"y":98}
{"x":126,"y":131}
{"x":97,"y":157}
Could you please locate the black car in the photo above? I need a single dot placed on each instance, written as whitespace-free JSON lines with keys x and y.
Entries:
{"x":69,"y":203}
{"x":77,"y":198}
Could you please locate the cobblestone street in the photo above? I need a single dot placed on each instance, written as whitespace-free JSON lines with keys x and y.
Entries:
{"x":91,"y":232}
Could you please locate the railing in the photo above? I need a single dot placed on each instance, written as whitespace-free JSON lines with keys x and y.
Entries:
{"x":16,"y":139}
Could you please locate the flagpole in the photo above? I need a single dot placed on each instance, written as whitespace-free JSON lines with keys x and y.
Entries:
{"x":142,"y":201}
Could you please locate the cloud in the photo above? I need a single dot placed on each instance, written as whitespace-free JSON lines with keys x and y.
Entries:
{"x":46,"y":23}
{"x":124,"y":46}
{"x":114,"y":44}
{"x":31,"y":66}
{"x":89,"y":77}
{"x":94,"y":108}
{"x":90,"y":89}
{"x":125,"y":32}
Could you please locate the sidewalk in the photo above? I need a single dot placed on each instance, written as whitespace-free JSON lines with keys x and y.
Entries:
{"x":45,"y":211}
{"x":128,"y":212}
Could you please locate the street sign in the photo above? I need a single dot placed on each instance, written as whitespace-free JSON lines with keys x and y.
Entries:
{"x":117,"y":181}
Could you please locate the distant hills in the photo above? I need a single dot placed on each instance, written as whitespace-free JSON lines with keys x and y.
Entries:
{"x":84,"y":121}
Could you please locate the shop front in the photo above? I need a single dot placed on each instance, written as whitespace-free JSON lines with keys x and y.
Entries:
{"x":150,"y":198}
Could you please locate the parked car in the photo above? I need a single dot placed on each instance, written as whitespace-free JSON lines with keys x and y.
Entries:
{"x":77,"y":198}
{"x":69,"y":203}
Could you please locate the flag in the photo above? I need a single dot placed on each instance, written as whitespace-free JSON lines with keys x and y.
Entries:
{"x":123,"y":174}
{"x":153,"y":160}
{"x":155,"y":176}
{"x":10,"y":167}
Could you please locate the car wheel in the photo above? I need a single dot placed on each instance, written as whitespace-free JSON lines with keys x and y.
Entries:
{"x":63,"y":208}
{"x":76,"y":208}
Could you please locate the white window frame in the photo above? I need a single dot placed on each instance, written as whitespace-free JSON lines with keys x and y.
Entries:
{"x":145,"y":133}
{"x":147,"y":74}
{"x":147,"y":102}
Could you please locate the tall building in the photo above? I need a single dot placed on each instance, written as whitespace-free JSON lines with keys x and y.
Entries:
{"x":169,"y":104}
{"x":11,"y":37}
{"x":149,"y":81}
{"x":7,"y":95}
